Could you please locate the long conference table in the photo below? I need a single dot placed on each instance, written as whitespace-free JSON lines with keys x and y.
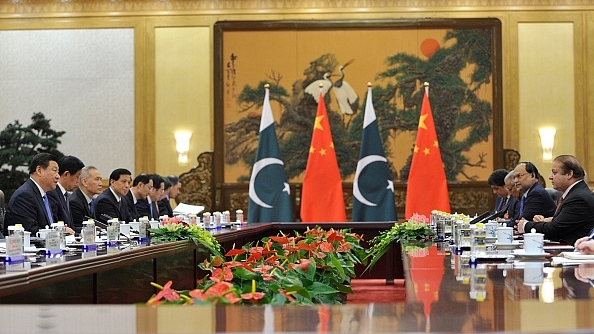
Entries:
{"x":443,"y":294}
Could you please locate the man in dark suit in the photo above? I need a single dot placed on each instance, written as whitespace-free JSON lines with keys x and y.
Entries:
{"x":164,"y":205}
{"x":82,"y":204}
{"x":148,"y":206}
{"x":574,"y":215}
{"x":70,"y":168}
{"x":29,"y":205}
{"x":504,"y":199}
{"x":112,"y":203}
{"x":536,"y":200}
{"x":141,"y":186}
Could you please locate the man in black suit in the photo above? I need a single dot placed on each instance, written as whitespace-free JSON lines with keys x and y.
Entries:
{"x":504,"y":199}
{"x":70,"y":168}
{"x":164,"y":205}
{"x":112,"y":203}
{"x":148,"y":206}
{"x":141,"y":186}
{"x":29,"y":205}
{"x":574,"y":215}
{"x":535,"y":199}
{"x":82,"y":204}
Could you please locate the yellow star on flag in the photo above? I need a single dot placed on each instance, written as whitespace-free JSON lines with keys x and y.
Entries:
{"x":422,"y":122}
{"x":426,"y":151}
{"x":322,"y":152}
{"x":318,"y":123}
{"x":436,"y":144}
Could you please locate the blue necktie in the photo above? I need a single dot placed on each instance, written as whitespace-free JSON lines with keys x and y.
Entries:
{"x":48,"y":210}
{"x":522,"y":206}
{"x":92,"y":207}
{"x":151,"y":207}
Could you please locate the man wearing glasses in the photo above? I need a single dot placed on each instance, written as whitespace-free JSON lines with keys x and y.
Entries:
{"x":535,"y":199}
{"x":574,"y":214}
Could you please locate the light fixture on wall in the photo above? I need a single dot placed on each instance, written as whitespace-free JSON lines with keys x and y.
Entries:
{"x":182,"y":145}
{"x":547,"y":141}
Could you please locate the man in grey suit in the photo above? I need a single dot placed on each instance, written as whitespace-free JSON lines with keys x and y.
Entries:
{"x":81,"y":201}
{"x":29,"y":205}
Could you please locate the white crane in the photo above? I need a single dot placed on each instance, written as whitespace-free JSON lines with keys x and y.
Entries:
{"x":314,"y":88}
{"x":345,"y":94}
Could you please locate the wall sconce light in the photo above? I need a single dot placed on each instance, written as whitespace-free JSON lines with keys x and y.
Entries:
{"x":547,"y":141}
{"x":182,"y":145}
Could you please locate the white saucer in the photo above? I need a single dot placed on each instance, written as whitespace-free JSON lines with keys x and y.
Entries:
{"x":513,"y":245}
{"x":522,"y":253}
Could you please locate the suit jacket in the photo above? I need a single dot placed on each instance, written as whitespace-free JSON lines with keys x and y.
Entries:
{"x":509,"y":208}
{"x":573,"y":220}
{"x":131,"y":206}
{"x":26,"y":207}
{"x":144,"y":209}
{"x":59,"y":206}
{"x":538,"y":202}
{"x":165,"y":207}
{"x":79,"y":209}
{"x":107,"y":204}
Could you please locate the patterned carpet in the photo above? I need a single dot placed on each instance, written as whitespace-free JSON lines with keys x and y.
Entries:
{"x":376,"y":291}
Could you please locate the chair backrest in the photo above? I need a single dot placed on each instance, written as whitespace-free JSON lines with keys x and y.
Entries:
{"x":555,"y":195}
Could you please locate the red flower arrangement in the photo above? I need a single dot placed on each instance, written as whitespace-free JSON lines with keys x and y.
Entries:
{"x":313,"y":268}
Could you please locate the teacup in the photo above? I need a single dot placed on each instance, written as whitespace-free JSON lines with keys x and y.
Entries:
{"x":42,"y":233}
{"x":505,"y":235}
{"x":533,"y":242}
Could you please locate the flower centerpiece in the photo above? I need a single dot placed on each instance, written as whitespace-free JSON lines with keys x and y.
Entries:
{"x":174,"y":229}
{"x":310,"y":268}
{"x":416,"y":228}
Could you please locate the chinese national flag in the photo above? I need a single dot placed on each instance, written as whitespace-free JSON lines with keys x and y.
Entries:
{"x":427,"y":188}
{"x":321,"y":197}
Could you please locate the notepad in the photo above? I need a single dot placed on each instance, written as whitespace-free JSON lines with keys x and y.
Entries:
{"x":577,"y":256}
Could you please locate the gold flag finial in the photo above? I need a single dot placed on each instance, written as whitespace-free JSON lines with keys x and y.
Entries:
{"x":426,"y":84}
{"x":368,"y":84}
{"x":267,"y":86}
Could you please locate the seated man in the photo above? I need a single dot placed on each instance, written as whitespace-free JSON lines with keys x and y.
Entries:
{"x":504,"y":199}
{"x":536,"y":200}
{"x":141,"y":186}
{"x":29,"y":204}
{"x":82,"y":204}
{"x":164,"y":204}
{"x":574,"y":215}
{"x":112,"y":203}
{"x":70,"y":168}
{"x":148,"y":206}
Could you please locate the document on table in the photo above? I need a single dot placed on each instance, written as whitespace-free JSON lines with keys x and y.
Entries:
{"x":572,"y":258}
{"x":184,"y":209}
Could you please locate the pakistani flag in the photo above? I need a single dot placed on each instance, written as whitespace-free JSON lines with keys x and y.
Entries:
{"x":373,"y":189}
{"x":270,"y":195}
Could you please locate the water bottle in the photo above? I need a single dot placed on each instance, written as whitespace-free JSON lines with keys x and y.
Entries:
{"x":465,"y":233}
{"x":479,"y":241}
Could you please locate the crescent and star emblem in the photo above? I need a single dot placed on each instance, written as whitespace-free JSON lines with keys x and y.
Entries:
{"x":364,"y":162}
{"x":258,"y":166}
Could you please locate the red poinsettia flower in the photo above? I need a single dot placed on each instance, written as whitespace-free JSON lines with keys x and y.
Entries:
{"x":334,"y":236}
{"x":221,"y":274}
{"x":280,"y":240}
{"x":326,"y":247}
{"x":254,"y":297}
{"x":288,"y":296}
{"x":344,"y":247}
{"x":234,"y":252}
{"x":167,"y":293}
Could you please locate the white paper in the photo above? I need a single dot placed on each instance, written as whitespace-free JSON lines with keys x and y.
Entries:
{"x":184,"y":209}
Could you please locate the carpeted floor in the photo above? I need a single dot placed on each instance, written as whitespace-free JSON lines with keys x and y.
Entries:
{"x":376,"y":291}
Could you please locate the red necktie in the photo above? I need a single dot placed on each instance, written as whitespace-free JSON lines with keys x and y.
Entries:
{"x":559,"y":204}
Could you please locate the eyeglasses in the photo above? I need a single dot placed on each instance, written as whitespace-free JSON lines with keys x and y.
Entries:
{"x":519,"y":175}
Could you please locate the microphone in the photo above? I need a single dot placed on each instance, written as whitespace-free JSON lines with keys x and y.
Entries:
{"x":97,"y":222}
{"x":104,"y":226}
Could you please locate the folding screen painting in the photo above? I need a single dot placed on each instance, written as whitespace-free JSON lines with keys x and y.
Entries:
{"x":460,"y":59}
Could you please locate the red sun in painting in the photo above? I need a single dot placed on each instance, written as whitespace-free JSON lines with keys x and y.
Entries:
{"x":429,"y":46}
